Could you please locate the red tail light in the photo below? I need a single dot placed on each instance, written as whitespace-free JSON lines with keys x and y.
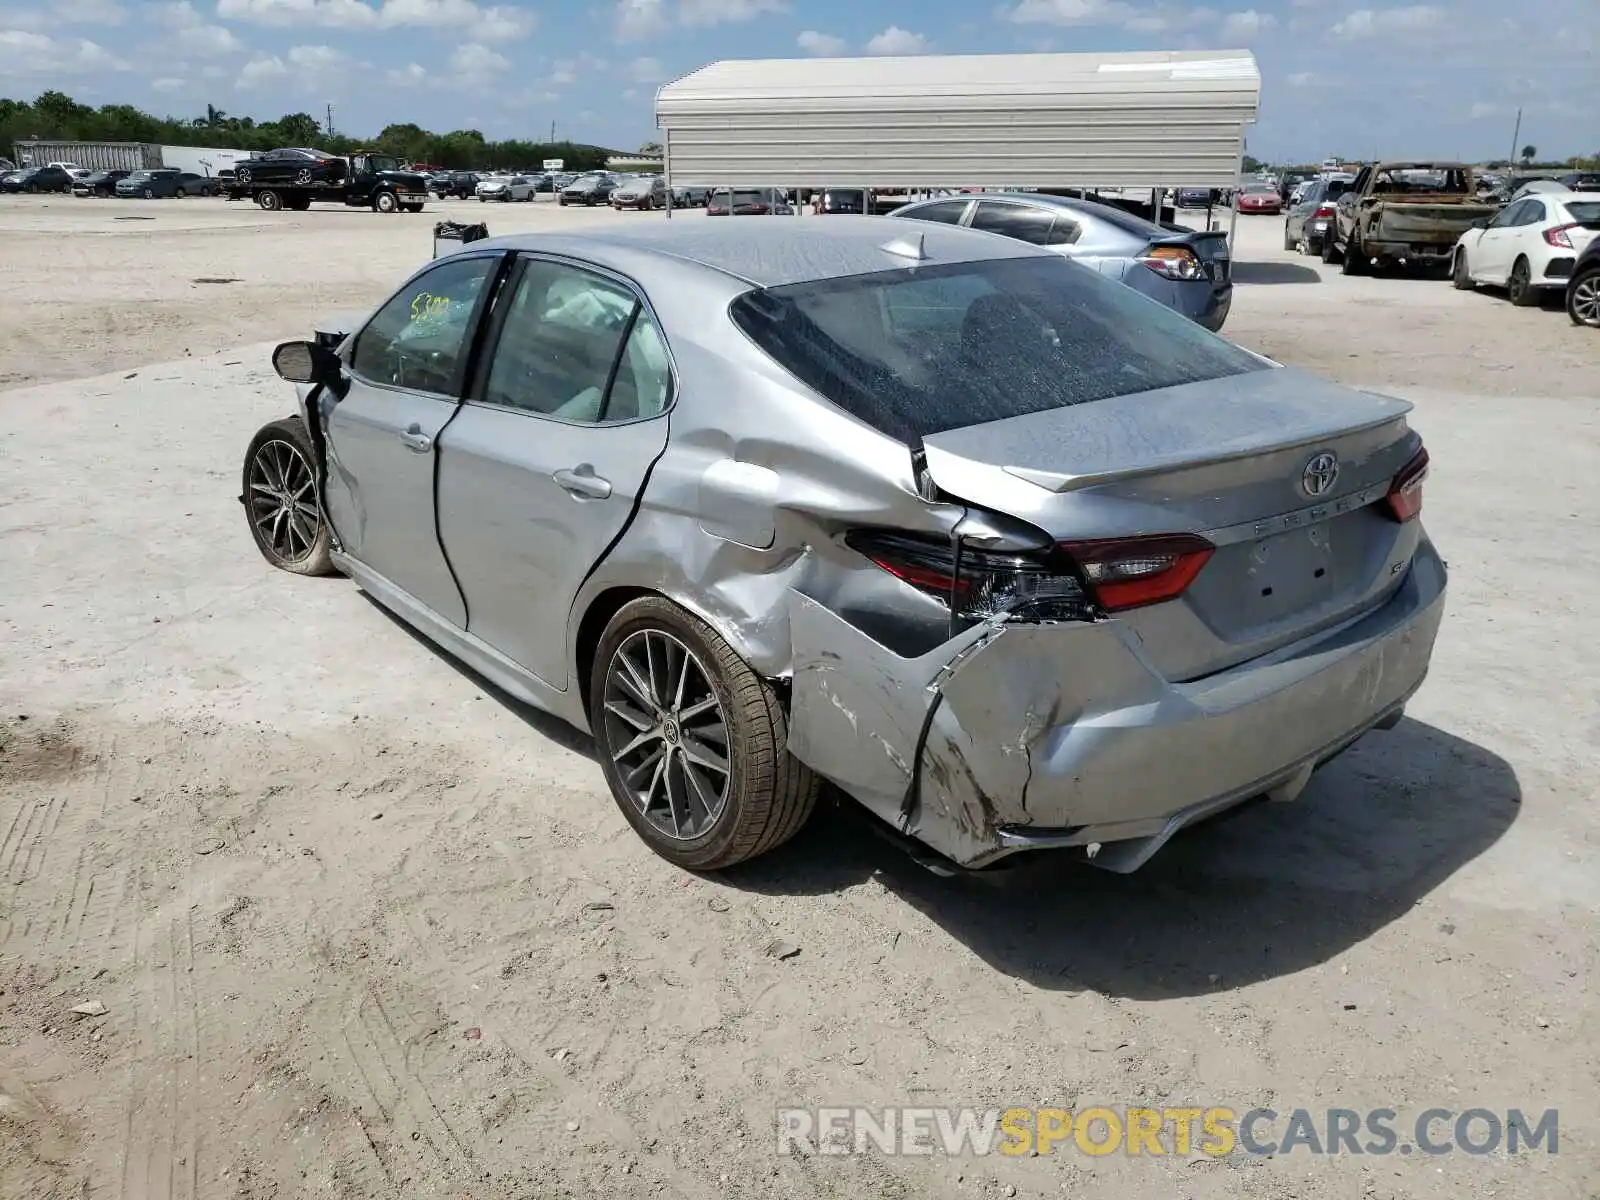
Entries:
{"x":1324,"y":210}
{"x":1559,"y":237}
{"x":1405,"y":492}
{"x":1126,"y":573}
{"x":1121,"y":573}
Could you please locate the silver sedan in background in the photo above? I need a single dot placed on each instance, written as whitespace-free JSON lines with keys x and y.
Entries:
{"x":506,"y":188}
{"x":1185,"y":270}
{"x":1013,"y":555}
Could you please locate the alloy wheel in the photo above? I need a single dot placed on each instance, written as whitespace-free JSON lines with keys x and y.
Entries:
{"x":666,"y":733}
{"x":1585,"y":303}
{"x":283,"y":501}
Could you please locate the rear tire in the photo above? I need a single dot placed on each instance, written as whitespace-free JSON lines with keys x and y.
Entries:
{"x":281,"y":504}
{"x":766,"y":793}
{"x":1289,"y":243}
{"x":1355,"y":259}
{"x":269,"y":200}
{"x":1461,"y":273}
{"x":1330,"y":249}
{"x":1519,"y":285}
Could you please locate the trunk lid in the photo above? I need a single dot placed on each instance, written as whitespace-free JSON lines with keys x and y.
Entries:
{"x":1231,"y":460}
{"x":1211,"y":248}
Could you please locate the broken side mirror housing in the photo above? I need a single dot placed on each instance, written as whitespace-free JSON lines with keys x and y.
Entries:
{"x":305,"y":362}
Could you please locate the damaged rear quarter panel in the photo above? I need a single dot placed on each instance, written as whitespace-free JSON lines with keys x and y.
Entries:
{"x":999,"y":691}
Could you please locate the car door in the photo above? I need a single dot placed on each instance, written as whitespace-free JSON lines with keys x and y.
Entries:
{"x":540,"y":472}
{"x":405,"y":372}
{"x":1492,"y":261}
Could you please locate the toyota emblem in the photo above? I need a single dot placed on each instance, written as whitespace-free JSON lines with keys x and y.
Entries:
{"x":1320,"y":474}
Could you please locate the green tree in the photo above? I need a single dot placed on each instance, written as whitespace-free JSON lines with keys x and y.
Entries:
{"x":1529,"y":153}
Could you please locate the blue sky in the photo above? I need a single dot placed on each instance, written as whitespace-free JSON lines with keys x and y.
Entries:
{"x":1350,"y":77}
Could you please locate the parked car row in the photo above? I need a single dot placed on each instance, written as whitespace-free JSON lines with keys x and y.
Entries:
{"x":1544,"y":239}
{"x":145,"y":184}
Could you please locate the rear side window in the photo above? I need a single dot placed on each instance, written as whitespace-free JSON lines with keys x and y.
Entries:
{"x":946,"y":212}
{"x":917,"y":351}
{"x":1014,"y":220}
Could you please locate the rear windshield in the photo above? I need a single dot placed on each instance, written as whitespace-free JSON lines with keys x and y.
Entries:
{"x":1585,"y":212}
{"x":916,"y":351}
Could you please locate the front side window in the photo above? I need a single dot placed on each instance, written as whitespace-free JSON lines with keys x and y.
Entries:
{"x":918,"y":351}
{"x":419,"y":339}
{"x":559,"y":341}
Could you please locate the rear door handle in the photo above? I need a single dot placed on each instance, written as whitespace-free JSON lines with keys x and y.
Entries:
{"x":582,"y":481}
{"x":415,"y":439}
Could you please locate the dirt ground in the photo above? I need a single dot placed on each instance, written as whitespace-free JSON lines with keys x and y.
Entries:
{"x":363,"y":928}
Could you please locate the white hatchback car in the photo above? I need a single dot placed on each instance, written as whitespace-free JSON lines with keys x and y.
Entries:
{"x":1530,"y":246}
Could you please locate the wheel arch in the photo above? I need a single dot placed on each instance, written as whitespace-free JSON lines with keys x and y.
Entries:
{"x":610,"y":600}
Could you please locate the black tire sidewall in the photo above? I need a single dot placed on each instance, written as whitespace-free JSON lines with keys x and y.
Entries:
{"x":656,"y":612}
{"x":293,"y":431}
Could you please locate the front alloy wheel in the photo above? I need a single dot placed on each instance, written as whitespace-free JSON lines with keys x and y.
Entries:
{"x":280,"y":500}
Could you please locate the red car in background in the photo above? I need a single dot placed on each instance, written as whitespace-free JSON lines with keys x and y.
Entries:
{"x":1260,"y":198}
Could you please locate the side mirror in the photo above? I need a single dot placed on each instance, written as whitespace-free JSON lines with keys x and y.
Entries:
{"x":306,"y":362}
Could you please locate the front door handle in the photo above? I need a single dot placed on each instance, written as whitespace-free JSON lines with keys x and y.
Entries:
{"x":415,"y":439}
{"x":581,"y":481}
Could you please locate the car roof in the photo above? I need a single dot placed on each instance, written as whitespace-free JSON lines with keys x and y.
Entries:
{"x":770,"y":253}
{"x":1125,"y":221}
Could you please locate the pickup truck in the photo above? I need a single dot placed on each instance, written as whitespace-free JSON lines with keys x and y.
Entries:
{"x":293,"y":178}
{"x":1403,"y":213}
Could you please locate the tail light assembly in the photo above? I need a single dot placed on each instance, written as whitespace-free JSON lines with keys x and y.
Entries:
{"x":1404,"y":498}
{"x":1560,"y":236}
{"x":1071,"y":581}
{"x":1324,"y":212}
{"x":1173,"y":262}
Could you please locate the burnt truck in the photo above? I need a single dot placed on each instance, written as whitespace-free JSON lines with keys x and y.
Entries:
{"x":1403,"y":214}
{"x":295,"y":178}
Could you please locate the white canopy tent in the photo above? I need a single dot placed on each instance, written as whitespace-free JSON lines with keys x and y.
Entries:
{"x":1137,"y":120}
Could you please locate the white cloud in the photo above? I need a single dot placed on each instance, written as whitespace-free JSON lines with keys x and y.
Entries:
{"x":645,"y":70}
{"x":716,"y":12}
{"x":88,"y":12}
{"x":497,"y":23}
{"x":1482,"y":109}
{"x":317,"y":58}
{"x":1382,"y":22}
{"x":259,"y":72}
{"x":411,"y":73}
{"x":895,"y":40}
{"x":209,"y":41}
{"x":1302,"y":79}
{"x":168,"y":84}
{"x":1246,"y":24}
{"x":1075,"y":12}
{"x":638,"y":19}
{"x":823,"y":45}
{"x":476,"y":59}
{"x":27,"y":55}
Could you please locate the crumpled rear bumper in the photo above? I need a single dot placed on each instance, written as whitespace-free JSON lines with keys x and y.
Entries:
{"x":1023,"y":735}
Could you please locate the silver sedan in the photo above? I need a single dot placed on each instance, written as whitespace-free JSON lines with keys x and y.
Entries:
{"x":1013,"y":555}
{"x":1184,"y":269}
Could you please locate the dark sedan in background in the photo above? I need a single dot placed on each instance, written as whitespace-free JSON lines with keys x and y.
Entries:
{"x":150,"y":185}
{"x":589,"y":191}
{"x":1186,"y":270}
{"x":748,"y":202}
{"x":839,"y":200}
{"x":39,"y":179}
{"x":1305,"y":228}
{"x":99,"y":183}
